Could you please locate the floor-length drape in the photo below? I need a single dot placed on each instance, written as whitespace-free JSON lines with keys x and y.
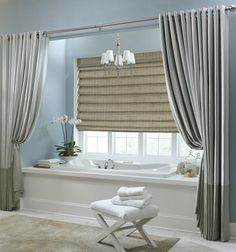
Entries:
{"x":195,"y":55}
{"x":23,"y":60}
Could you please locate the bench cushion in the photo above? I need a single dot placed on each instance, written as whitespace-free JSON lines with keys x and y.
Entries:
{"x":124,"y":212}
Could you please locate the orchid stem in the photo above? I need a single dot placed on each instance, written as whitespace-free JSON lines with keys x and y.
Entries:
{"x":66,"y":132}
{"x":72,"y":134}
{"x":62,"y":128}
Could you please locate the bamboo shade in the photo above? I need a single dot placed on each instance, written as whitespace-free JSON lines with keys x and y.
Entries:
{"x":135,"y":101}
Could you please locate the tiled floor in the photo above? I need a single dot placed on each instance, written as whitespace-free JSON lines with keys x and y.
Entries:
{"x":189,"y":242}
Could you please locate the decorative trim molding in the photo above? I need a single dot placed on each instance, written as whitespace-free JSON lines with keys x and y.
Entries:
{"x":56,"y":206}
{"x":232,"y":229}
{"x":164,"y":221}
{"x":81,"y":212}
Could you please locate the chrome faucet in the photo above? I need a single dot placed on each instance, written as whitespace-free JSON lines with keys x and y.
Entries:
{"x":109,"y":164}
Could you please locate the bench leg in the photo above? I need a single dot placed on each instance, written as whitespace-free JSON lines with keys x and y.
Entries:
{"x":138,"y":223}
{"x":139,"y":227}
{"x":109,"y":232}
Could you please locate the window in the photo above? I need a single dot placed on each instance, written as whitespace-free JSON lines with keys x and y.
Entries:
{"x":96,"y":142}
{"x":136,"y":101}
{"x":158,"y":144}
{"x":126,"y":143}
{"x":135,"y":145}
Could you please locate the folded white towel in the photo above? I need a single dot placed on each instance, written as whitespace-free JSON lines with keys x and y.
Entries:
{"x":131,"y":191}
{"x":133,"y":203}
{"x":49,"y":161}
{"x":134,"y":197}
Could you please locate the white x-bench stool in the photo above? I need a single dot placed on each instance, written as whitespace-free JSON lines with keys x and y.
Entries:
{"x":122,"y":215}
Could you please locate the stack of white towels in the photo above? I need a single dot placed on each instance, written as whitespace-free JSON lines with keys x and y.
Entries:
{"x":47,"y":163}
{"x":132,"y":196}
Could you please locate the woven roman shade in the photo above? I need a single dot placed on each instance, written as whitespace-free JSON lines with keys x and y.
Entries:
{"x":136,"y":101}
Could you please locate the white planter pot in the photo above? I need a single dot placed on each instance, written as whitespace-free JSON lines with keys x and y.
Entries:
{"x":68,"y":158}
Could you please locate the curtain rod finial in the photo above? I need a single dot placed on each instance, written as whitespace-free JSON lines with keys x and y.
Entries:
{"x":232,"y":8}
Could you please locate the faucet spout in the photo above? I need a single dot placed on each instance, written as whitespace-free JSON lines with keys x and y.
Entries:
{"x":109,"y":164}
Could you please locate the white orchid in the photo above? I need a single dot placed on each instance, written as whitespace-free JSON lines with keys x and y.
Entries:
{"x":61,"y":119}
{"x":67,"y":126}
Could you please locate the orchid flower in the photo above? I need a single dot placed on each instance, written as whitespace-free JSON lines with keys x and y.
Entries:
{"x":67,"y":126}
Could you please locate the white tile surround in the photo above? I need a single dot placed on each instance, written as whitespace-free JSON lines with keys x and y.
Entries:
{"x":189,"y":242}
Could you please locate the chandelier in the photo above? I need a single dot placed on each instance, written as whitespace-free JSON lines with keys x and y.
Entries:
{"x":119,"y":61}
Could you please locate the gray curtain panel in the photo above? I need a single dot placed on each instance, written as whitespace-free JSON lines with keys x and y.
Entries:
{"x":195,"y":55}
{"x":23,"y":60}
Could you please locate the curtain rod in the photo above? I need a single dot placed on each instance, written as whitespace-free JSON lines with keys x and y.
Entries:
{"x":100,"y":26}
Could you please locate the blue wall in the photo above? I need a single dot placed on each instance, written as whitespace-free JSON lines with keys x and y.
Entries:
{"x":27,"y":15}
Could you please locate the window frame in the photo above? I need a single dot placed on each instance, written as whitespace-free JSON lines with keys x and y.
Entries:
{"x":141,"y":156}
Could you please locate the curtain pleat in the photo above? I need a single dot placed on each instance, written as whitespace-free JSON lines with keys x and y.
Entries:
{"x":23,"y":60}
{"x":195,"y":56}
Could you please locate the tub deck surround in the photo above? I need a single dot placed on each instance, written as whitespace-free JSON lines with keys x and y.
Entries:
{"x":65,"y":191}
{"x":112,"y":175}
{"x":136,"y":171}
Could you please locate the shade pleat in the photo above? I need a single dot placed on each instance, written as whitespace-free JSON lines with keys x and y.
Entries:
{"x":123,"y":81}
{"x":109,"y":99}
{"x":117,"y":90}
{"x":137,"y":126}
{"x":127,"y":107}
{"x":142,"y":71}
{"x":126,"y":116}
{"x":128,"y":129}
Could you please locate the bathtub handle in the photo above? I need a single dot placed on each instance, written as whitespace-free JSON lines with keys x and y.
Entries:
{"x":98,"y":165}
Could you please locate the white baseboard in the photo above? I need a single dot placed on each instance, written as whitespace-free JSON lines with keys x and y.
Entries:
{"x":163,"y":221}
{"x":81,"y":212}
{"x":233,"y":230}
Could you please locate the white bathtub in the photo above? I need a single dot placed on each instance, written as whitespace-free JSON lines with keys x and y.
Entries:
{"x":69,"y":189}
{"x":136,"y":169}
